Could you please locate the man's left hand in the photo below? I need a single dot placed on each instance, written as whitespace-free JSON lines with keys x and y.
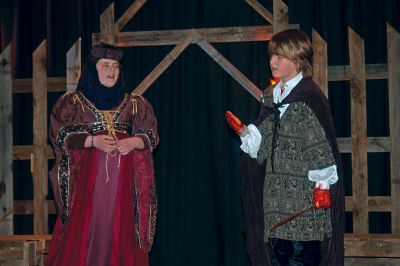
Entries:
{"x":321,"y":198}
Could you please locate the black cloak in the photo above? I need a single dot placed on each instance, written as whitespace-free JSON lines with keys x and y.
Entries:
{"x":252,"y":181}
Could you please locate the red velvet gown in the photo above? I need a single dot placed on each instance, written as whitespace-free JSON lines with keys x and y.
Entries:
{"x":106,"y":202}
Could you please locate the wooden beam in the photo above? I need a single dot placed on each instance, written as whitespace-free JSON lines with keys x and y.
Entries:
{"x":163,"y":65}
{"x":359,"y":261}
{"x":358,"y":132}
{"x":338,"y":73}
{"x":230,"y":69}
{"x":320,"y":62}
{"x":393,"y":42}
{"x":6,"y":140}
{"x":107,"y":20}
{"x":40,"y":168}
{"x":24,"y":249}
{"x":372,"y":245}
{"x":173,"y":37}
{"x":107,"y":24}
{"x":261,"y":10}
{"x":11,"y":251}
{"x":24,"y":152}
{"x":376,"y":71}
{"x":280,"y":16}
{"x":74,"y":65}
{"x":128,"y":15}
{"x":54,"y":84}
{"x":372,"y":71}
{"x":374,"y":144}
{"x":25,"y":207}
{"x":18,"y":238}
{"x":375,"y":204}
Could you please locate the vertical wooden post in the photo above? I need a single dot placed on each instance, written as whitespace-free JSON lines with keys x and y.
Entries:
{"x":42,"y":246}
{"x":29,"y":253}
{"x":281,"y":17}
{"x":40,"y":167}
{"x":6,"y":142}
{"x":320,"y":62}
{"x":107,"y":21}
{"x":358,"y":132}
{"x":393,"y":43}
{"x":74,"y":65}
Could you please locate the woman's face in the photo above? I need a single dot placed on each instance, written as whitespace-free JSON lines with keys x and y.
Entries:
{"x":108,"y":71}
{"x":282,"y":67}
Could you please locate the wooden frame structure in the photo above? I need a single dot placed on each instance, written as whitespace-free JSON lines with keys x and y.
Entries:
{"x":110,"y":33}
{"x":40,"y":152}
{"x":384,"y":247}
{"x":358,"y":245}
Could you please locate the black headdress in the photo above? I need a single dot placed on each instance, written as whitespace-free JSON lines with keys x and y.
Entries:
{"x":104,"y":98}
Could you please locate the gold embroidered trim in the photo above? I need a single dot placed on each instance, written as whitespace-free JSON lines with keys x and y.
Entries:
{"x":134,"y":102}
{"x":76,"y":98}
{"x":108,"y":120}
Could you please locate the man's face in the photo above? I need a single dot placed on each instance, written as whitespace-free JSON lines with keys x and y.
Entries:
{"x":282,"y":67}
{"x":108,"y":71}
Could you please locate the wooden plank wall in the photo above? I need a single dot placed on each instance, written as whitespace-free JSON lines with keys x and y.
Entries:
{"x":6,"y":140}
{"x":361,"y":205}
{"x":40,"y":152}
{"x":385,"y":248}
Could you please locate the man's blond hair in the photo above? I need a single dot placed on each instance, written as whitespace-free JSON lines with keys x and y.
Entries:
{"x":295,"y":46}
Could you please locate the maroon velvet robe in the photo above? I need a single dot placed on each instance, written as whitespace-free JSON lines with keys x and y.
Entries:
{"x":107,"y":203}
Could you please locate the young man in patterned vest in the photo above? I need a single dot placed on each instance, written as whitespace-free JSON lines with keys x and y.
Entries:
{"x":292,"y":163}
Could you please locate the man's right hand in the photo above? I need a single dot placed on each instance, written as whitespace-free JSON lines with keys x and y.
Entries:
{"x":235,"y":123}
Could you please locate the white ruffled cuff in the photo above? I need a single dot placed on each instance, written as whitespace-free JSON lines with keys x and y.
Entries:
{"x":251,"y":141}
{"x":324,"y":177}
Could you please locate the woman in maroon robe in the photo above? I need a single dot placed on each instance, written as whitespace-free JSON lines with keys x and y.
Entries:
{"x":103,"y":180}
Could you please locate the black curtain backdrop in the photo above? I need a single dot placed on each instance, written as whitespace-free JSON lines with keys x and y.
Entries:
{"x":197,"y":161}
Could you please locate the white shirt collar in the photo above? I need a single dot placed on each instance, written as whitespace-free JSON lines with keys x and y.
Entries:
{"x":289,"y":85}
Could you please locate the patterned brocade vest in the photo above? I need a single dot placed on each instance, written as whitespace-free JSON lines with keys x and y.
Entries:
{"x":300,"y":146}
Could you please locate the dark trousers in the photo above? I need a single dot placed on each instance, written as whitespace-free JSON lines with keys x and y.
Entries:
{"x":295,"y":253}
